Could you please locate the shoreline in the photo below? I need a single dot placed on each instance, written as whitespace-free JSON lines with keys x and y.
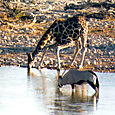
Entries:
{"x":51,"y":68}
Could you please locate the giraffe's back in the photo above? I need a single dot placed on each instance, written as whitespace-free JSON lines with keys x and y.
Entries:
{"x":64,"y":31}
{"x":67,"y":30}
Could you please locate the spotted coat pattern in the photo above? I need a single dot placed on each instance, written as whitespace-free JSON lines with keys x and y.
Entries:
{"x":63,"y":32}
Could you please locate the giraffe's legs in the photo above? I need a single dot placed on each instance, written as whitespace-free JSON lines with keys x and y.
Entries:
{"x":75,"y":53}
{"x":83,"y":56}
{"x":81,"y":44}
{"x":58,"y":57}
{"x":84,"y":48}
{"x":45,"y":50}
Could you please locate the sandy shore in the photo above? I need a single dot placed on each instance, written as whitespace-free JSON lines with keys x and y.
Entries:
{"x":21,"y":31}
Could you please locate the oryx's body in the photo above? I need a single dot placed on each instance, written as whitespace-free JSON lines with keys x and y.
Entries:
{"x":74,"y":76}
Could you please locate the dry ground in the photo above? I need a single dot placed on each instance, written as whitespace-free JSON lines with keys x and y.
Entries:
{"x":23,"y":23}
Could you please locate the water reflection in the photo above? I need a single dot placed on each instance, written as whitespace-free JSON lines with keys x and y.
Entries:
{"x":78,"y":101}
{"x":62,"y":102}
{"x":20,"y":94}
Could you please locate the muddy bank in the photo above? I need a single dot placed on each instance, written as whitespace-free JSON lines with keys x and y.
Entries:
{"x":20,"y":32}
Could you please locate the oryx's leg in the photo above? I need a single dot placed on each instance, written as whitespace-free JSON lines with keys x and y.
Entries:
{"x":72,"y":85}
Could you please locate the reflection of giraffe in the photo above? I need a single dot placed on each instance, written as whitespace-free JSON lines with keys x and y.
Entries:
{"x":61,"y":34}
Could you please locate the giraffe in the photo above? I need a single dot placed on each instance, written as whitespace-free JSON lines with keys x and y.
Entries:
{"x":63,"y":33}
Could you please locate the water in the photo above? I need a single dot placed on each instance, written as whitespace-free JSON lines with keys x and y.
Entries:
{"x":37,"y":94}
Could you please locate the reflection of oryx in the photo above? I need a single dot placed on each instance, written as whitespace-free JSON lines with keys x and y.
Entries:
{"x":82,"y":96}
{"x":74,"y":76}
{"x":76,"y":101}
